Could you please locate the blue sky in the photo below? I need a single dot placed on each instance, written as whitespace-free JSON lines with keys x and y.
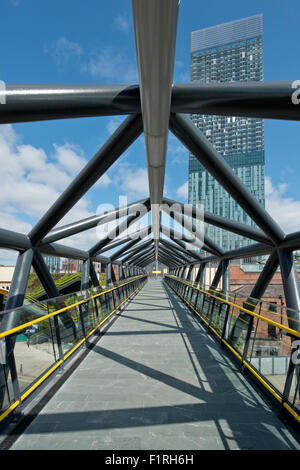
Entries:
{"x":71,"y":41}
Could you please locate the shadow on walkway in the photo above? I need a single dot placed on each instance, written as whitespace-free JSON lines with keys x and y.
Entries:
{"x":180,"y":389}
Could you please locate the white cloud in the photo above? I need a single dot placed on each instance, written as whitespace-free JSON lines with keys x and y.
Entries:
{"x":63,"y":50}
{"x":284,"y":210}
{"x":134,"y":182}
{"x":9,"y":220}
{"x":183,"y":190}
{"x":122,"y":23}
{"x":112,"y":64}
{"x":70,"y":157}
{"x":31,"y":181}
{"x":177,"y":150}
{"x":104,"y":181}
{"x":113,"y":124}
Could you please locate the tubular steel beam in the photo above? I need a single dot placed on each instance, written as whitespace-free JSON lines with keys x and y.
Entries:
{"x":17,"y":289}
{"x":113,"y":274}
{"x":145,"y":261}
{"x":126,"y":249}
{"x":56,"y":249}
{"x":108,"y":274}
{"x":15,"y":299}
{"x":179,"y":253}
{"x":85,"y":275}
{"x":90,"y":222}
{"x":210,"y":244}
{"x":25,"y":103}
{"x":51,"y":290}
{"x":18,"y":241}
{"x":38,"y":102}
{"x":217,"y":276}
{"x":165,"y":261}
{"x":138,"y":256}
{"x":120,"y":140}
{"x":179,"y":249}
{"x":147,"y":256}
{"x":172,"y":256}
{"x":215,"y":164}
{"x":138,"y":234}
{"x":200,"y":278}
{"x":44,"y":275}
{"x":192,"y":253}
{"x":136,"y":249}
{"x":226,"y":275}
{"x":148,"y":261}
{"x":257,"y":292}
{"x":14,"y":241}
{"x":291,"y":241}
{"x":173,"y":263}
{"x":135,"y":259}
{"x":177,"y":236}
{"x":124,"y":225}
{"x":141,"y":255}
{"x":177,"y":256}
{"x":224,"y":223}
{"x":257,"y":249}
{"x":271,"y":100}
{"x":291,"y":287}
{"x":93,"y":274}
{"x":113,"y":245}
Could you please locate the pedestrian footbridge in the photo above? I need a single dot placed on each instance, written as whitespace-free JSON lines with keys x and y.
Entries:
{"x":151,"y":363}
{"x":156,"y":378}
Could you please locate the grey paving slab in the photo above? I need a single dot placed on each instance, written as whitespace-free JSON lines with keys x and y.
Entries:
{"x":156,"y":380}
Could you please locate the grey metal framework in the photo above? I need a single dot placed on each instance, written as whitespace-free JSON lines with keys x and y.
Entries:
{"x":154,"y":107}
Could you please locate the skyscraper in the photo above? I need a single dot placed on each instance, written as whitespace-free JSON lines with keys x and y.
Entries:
{"x":230,"y":52}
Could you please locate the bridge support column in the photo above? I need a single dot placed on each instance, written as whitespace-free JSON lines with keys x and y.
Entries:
{"x":108,"y":275}
{"x":256,"y":294}
{"x":51,"y":290}
{"x":189,"y":273}
{"x":85,"y":275}
{"x":15,"y":299}
{"x":292,"y":296}
{"x":217,"y":276}
{"x":93,"y":274}
{"x":226,"y":275}
{"x":121,"y":277}
{"x":200,"y":279}
{"x":113,"y":275}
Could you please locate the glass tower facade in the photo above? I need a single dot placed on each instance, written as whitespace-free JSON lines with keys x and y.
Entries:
{"x":227,"y":53}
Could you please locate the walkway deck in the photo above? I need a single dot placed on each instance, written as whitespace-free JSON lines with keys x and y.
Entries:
{"x":156,"y":380}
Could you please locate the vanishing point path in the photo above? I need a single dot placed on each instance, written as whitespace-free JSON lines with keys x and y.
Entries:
{"x":156,"y":380}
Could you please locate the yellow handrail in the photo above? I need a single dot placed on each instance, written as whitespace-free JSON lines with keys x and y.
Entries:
{"x":57,"y":312}
{"x":60,"y":361}
{"x":253,"y":314}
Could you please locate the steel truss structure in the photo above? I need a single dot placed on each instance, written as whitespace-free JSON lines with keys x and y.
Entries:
{"x":152,"y":107}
